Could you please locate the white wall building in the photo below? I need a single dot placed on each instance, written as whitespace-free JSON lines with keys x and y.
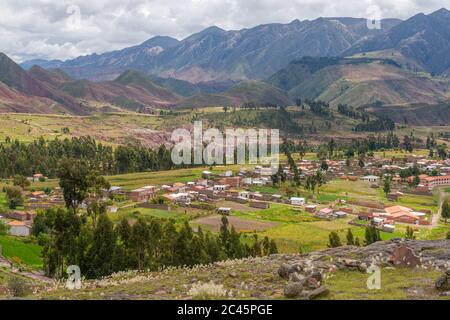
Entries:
{"x":19,"y":228}
{"x":296,"y":201}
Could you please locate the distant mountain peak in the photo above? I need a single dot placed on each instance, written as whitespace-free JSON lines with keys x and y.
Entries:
{"x":214,"y":54}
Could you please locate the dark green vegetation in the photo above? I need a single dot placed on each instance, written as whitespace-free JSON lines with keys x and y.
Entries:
{"x":100,"y":248}
{"x":44,"y":157}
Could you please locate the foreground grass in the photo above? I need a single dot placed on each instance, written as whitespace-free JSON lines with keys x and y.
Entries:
{"x":396,"y":284}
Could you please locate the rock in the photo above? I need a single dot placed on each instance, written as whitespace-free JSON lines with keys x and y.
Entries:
{"x":293,"y":289}
{"x":311,"y":283}
{"x":296,"y":277}
{"x":285,"y":270}
{"x":232,"y":274}
{"x":319,"y":292}
{"x":317,"y":275}
{"x":442,"y":283}
{"x":350,"y":263}
{"x":403,"y":256}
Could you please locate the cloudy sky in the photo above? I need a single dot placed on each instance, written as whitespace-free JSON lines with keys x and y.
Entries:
{"x":53,"y":29}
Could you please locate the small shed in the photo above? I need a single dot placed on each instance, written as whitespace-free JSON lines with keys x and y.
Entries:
{"x":224,"y":211}
{"x":296,"y":201}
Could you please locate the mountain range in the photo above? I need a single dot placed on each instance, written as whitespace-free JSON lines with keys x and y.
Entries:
{"x":257,"y":53}
{"x":338,"y":60}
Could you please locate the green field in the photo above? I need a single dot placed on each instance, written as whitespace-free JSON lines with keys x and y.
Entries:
{"x":29,"y":253}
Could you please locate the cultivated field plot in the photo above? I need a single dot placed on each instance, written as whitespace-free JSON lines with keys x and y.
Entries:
{"x":111,"y":129}
{"x":234,"y":206}
{"x":241,"y":225}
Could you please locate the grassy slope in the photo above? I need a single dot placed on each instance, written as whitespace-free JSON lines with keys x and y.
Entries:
{"x":27,"y":252}
{"x":358,"y":85}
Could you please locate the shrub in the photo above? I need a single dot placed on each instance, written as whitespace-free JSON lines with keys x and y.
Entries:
{"x":18,"y":287}
{"x":205,"y":291}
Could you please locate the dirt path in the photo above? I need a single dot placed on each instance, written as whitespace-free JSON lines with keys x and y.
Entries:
{"x":437,"y":216}
{"x":32,"y":275}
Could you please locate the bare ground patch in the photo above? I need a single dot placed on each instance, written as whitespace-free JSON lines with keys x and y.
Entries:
{"x":214,"y":222}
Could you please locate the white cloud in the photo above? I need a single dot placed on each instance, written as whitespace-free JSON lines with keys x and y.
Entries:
{"x":54,"y":30}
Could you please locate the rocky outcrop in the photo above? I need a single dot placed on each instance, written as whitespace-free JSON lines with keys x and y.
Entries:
{"x":305,"y":273}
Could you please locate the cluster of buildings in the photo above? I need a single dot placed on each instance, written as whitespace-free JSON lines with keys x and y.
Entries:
{"x":387,"y":218}
{"x":20,"y":222}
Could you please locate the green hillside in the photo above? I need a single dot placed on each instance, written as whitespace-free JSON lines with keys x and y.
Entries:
{"x":366,"y":84}
{"x":137,"y":79}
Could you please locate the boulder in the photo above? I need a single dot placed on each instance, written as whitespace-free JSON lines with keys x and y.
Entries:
{"x":311,"y":283}
{"x":403,"y":256}
{"x":293,"y":289}
{"x":319,"y":292}
{"x":296,"y":277}
{"x":443,"y":282}
{"x":285,"y":270}
{"x":317,"y":275}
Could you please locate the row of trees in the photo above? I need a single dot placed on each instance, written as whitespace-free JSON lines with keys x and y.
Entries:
{"x":371,"y":235}
{"x":45,"y":157}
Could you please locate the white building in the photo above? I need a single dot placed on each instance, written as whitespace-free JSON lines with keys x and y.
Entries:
{"x":371,"y":178}
{"x":19,"y":228}
{"x":296,"y":201}
{"x":244,"y":194}
{"x":220,"y":187}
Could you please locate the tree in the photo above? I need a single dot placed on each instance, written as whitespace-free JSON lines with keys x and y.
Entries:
{"x":442,"y":152}
{"x":265,"y":246}
{"x":416,"y":180}
{"x":139,"y":242}
{"x":273,"y":247}
{"x":14,"y":197}
{"x":100,"y":255}
{"x":357,"y":243}
{"x":448,"y":235}
{"x":334,"y":240}
{"x":324,"y":165}
{"x":387,"y":186}
{"x":350,"y":238}
{"x":445,"y":210}
{"x":4,"y":228}
{"x":361,"y":161}
{"x":372,"y":235}
{"x":21,"y":181}
{"x":409,"y":234}
{"x":74,"y":177}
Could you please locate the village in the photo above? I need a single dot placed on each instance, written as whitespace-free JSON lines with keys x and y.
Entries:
{"x":252,"y":189}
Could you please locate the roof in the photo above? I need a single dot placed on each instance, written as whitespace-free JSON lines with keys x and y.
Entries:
{"x":403,"y":214}
{"x":178,"y":184}
{"x":16,"y":223}
{"x":21,"y":213}
{"x":437,"y":178}
{"x":297,"y":199}
{"x":394,"y":209}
